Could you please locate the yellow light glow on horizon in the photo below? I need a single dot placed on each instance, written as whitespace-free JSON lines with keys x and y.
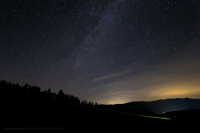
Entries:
{"x":152,"y":93}
{"x":181,"y":92}
{"x":179,"y":80}
{"x":176,"y":91}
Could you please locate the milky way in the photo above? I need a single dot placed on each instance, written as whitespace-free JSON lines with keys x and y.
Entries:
{"x":105,"y":51}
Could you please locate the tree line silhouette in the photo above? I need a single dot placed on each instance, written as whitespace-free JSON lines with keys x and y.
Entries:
{"x":15,"y":90}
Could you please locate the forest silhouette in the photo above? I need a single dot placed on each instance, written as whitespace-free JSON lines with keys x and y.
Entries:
{"x":13,"y":90}
{"x":28,"y":106}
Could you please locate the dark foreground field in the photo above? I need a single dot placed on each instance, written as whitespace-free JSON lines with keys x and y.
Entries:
{"x":21,"y":113}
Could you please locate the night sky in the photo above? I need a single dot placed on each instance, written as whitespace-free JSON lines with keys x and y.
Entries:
{"x":104,"y":51}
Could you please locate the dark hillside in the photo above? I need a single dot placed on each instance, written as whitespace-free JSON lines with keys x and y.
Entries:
{"x":159,"y":106}
{"x":35,"y":112}
{"x":28,"y":107}
{"x":191,"y":116}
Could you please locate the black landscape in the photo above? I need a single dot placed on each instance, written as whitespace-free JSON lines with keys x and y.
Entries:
{"x":159,"y":106}
{"x":100,"y":65}
{"x":28,"y":108}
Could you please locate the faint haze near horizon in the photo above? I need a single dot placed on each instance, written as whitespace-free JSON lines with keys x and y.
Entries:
{"x":105,"y":51}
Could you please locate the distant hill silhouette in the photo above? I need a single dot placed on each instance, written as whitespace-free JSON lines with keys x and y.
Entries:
{"x":158,"y":106}
{"x":28,"y":108}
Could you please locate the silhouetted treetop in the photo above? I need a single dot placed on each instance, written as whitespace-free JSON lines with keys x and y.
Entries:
{"x":10,"y":90}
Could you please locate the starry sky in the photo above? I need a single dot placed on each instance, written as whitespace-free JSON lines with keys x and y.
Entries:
{"x":104,"y":51}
